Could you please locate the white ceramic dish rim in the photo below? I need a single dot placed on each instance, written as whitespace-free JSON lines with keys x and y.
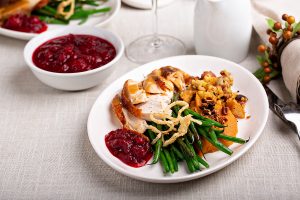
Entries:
{"x":142,"y":5}
{"x":194,"y":175}
{"x":28,"y":36}
{"x":57,"y":33}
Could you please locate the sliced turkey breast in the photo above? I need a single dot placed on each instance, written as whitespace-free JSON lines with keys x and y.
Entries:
{"x":135,"y":92}
{"x":176,"y":76}
{"x":17,"y":7}
{"x":156,"y":104}
{"x":126,"y":101}
{"x":156,"y":84}
{"x":128,"y":120}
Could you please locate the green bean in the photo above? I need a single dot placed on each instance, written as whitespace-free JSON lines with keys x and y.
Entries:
{"x":186,"y":151}
{"x":42,"y":12}
{"x":177,"y":152}
{"x":231,"y":138}
{"x":164,"y":162}
{"x":174,"y":160}
{"x":50,"y":10}
{"x":157,"y":146}
{"x":223,"y":148}
{"x":84,"y":13}
{"x":218,"y":131}
{"x":194,"y":159}
{"x":211,"y":134}
{"x":217,"y":144}
{"x":190,"y":135}
{"x":89,"y":2}
{"x":190,"y":165}
{"x":202,"y":161}
{"x":169,"y":160}
{"x":193,"y":130}
{"x":52,"y":20}
{"x":188,"y":158}
{"x":205,"y":120}
{"x":191,"y":148}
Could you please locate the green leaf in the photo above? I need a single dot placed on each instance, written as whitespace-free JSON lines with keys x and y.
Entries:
{"x":271,"y":23}
{"x":296,"y":28}
{"x":259,"y":73}
{"x":259,"y":59}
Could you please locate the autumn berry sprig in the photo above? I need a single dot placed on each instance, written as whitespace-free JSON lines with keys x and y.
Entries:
{"x":279,"y":36}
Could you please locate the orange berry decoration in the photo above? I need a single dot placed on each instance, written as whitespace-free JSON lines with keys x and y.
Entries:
{"x":290,"y":20}
{"x":267,"y":70}
{"x":265,"y":64}
{"x":287,"y":35}
{"x":261,"y":48}
{"x":273,"y":40}
{"x":277,"y":26}
{"x":285,"y":17}
{"x":267,"y":79}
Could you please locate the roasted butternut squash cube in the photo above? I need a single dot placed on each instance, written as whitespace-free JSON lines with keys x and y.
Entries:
{"x":236,"y":108}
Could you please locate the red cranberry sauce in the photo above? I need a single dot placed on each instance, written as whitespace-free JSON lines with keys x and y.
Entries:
{"x":73,"y":53}
{"x":129,"y":146}
{"x":24,"y":23}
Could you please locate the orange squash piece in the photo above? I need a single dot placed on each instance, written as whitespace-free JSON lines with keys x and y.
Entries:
{"x":236,"y":108}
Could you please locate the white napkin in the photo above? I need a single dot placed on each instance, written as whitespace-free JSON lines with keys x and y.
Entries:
{"x":290,"y":62}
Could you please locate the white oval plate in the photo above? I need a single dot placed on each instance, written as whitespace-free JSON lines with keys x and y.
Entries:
{"x":95,"y":20}
{"x":146,"y":4}
{"x":101,"y":119}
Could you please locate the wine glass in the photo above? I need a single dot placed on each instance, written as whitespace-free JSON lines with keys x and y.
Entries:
{"x":151,"y":47}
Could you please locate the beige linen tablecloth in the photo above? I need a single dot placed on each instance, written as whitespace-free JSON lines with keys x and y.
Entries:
{"x":45,"y":152}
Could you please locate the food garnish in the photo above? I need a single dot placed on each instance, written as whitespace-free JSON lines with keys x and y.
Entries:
{"x":73,"y":53}
{"x":24,"y":23}
{"x":183,"y":116}
{"x":63,"y":11}
{"x":129,"y":146}
{"x":30,"y":13}
{"x":280,"y":35}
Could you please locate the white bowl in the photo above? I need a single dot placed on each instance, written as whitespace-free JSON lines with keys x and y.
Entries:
{"x":73,"y":81}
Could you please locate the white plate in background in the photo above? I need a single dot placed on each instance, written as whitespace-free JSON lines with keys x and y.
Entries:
{"x":94,"y":20}
{"x":146,"y":4}
{"x":101,"y":119}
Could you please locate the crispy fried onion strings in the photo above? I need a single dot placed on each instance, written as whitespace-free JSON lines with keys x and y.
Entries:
{"x":61,"y":8}
{"x":165,"y":118}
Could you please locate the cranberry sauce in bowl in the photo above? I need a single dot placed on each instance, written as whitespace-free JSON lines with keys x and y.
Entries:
{"x":130,"y":147}
{"x":75,"y":57}
{"x":73,"y":53}
{"x":24,"y":23}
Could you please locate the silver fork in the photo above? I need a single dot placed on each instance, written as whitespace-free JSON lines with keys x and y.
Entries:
{"x":291,"y":113}
{"x":288,"y":112}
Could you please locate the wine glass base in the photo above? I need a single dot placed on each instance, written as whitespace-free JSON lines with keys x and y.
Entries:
{"x":151,"y":47}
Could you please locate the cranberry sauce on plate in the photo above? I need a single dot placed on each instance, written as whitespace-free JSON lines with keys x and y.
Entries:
{"x":73,"y":53}
{"x":129,"y":146}
{"x":24,"y":23}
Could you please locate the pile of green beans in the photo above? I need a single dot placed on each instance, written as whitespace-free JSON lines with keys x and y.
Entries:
{"x":188,"y":147}
{"x":49,"y":13}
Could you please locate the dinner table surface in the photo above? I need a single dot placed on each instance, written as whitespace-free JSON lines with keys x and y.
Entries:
{"x":45,"y":152}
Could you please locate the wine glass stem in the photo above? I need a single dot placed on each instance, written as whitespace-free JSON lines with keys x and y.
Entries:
{"x":156,"y":41}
